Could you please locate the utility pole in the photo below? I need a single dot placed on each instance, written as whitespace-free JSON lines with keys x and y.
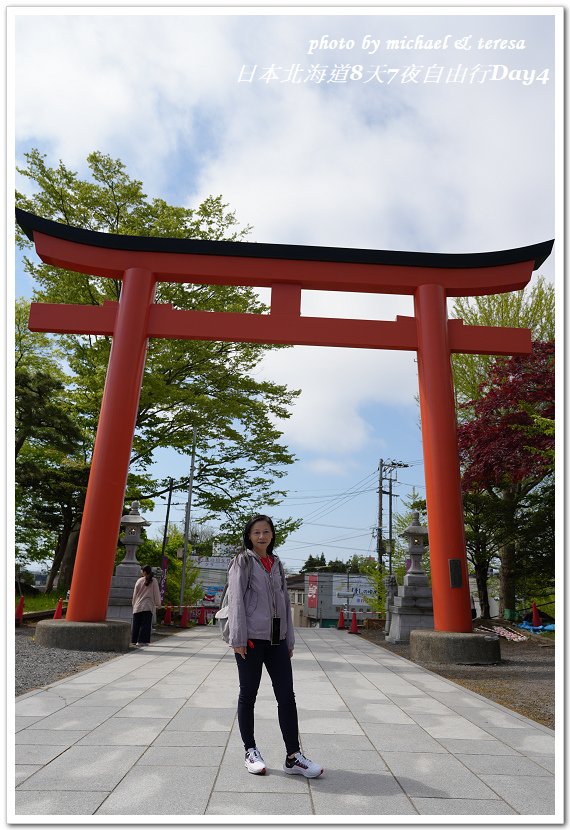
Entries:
{"x":379,"y":540}
{"x":390,"y":494}
{"x":187,"y":519}
{"x":389,"y":467}
{"x":164,"y":560}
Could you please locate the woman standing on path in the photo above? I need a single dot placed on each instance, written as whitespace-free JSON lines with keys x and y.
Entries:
{"x":261,"y":633}
{"x":146,"y":598}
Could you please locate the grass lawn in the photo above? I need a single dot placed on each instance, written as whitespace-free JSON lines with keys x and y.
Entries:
{"x":40,"y":602}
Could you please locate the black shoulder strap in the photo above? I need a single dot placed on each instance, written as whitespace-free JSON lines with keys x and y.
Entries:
{"x":281,"y":570}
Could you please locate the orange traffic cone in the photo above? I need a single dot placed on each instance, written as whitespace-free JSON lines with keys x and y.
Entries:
{"x":536,"y":621}
{"x":184,"y":618}
{"x":340,"y":624}
{"x":20,"y":611}
{"x":57,"y":614}
{"x":202,"y":615}
{"x":168,"y":615}
{"x":353,"y":624}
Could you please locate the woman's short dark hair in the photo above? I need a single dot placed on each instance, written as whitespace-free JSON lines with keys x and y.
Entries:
{"x":146,"y":569}
{"x":247,"y":543}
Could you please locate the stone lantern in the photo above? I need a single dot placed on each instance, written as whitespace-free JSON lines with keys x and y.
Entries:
{"x":127,"y":573}
{"x":415,"y":535}
{"x":412,"y":607}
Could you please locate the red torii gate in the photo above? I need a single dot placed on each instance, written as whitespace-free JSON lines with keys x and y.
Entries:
{"x":140,"y":262}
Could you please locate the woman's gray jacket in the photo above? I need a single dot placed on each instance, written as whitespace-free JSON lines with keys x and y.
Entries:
{"x":251,"y":610}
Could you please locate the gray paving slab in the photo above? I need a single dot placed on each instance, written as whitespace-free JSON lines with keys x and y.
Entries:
{"x":503,"y":765}
{"x":152,"y":708}
{"x":50,"y":737}
{"x":37,"y":754}
{"x":394,"y":739}
{"x":474,"y":746}
{"x":435,"y":775}
{"x":526,"y":794}
{"x":125,"y":732}
{"x":23,"y":721}
{"x":200,"y":738}
{"x":76,"y":717}
{"x":108,"y":697}
{"x":161,"y":791}
{"x":24,"y":771}
{"x":41,"y":703}
{"x":186,"y":756}
{"x":546,"y":761}
{"x":280,"y":804}
{"x":412,"y":738}
{"x":449,"y":726}
{"x":85,"y":768}
{"x":380,"y":713}
{"x":57,"y":803}
{"x":200,"y":718}
{"x":353,"y":793}
{"x":327,"y":746}
{"x":461,"y":807}
{"x":529,"y":741}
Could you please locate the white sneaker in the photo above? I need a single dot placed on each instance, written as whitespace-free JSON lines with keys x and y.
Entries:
{"x":299,"y":765}
{"x":254,"y":763}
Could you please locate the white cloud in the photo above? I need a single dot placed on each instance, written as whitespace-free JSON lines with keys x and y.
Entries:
{"x":327,"y":467}
{"x":335,"y":385}
{"x":425,"y":167}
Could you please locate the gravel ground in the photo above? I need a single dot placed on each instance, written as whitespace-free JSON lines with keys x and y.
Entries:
{"x":36,"y":665}
{"x":523,"y":681}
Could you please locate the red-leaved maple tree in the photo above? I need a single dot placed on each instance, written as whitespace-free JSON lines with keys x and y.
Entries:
{"x":503,"y":453}
{"x":500,"y":447}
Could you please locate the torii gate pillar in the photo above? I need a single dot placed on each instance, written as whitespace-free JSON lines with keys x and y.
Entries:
{"x":449,"y":577}
{"x":287,"y":269}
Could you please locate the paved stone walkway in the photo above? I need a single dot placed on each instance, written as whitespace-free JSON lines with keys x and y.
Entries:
{"x":154,"y":732}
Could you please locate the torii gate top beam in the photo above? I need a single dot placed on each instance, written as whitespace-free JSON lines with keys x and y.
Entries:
{"x":265,"y":265}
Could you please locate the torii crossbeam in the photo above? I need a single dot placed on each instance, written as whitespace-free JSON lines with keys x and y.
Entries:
{"x":141,"y":262}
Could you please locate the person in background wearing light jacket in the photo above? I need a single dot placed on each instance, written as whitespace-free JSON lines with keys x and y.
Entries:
{"x":261,"y":634}
{"x":146,"y":598}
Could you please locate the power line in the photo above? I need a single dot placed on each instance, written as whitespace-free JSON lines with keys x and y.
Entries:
{"x":342,"y":499}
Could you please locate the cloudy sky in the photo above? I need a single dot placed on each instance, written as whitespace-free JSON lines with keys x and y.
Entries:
{"x":317,"y":131}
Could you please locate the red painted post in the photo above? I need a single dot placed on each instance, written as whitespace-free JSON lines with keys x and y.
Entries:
{"x":20,"y":611}
{"x":184,"y":618}
{"x":448,"y":559}
{"x":110,"y":463}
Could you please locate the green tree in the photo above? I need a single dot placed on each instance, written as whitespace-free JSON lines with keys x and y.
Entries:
{"x":42,"y":413}
{"x":531,"y":308}
{"x":311,"y":564}
{"x":212,"y":386}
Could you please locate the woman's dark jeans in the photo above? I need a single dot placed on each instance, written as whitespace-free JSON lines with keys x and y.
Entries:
{"x":278,"y":664}
{"x":142,"y":622}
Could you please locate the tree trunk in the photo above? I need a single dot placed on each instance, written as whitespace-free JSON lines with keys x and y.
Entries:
{"x":507,"y":599}
{"x":481,"y":570}
{"x":58,"y":556}
{"x":68,"y":561}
